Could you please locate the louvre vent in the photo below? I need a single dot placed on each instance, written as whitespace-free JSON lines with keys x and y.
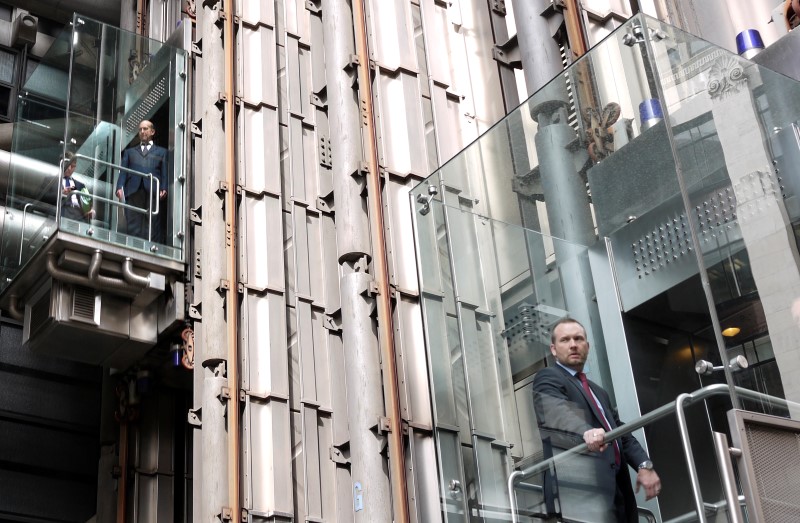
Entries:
{"x":84,"y":304}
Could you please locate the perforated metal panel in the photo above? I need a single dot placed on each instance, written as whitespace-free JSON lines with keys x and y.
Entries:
{"x":768,"y":465}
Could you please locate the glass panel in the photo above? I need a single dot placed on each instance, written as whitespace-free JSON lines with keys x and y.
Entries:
{"x":650,"y":191}
{"x":731,"y":123}
{"x":115,"y":80}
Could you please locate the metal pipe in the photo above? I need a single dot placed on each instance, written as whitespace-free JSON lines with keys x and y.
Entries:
{"x":728,"y":479}
{"x":94,"y":279}
{"x":13,"y":308}
{"x":397,"y":471}
{"x":131,"y":277}
{"x":687,"y":453}
{"x":232,"y":302}
{"x":576,"y":32}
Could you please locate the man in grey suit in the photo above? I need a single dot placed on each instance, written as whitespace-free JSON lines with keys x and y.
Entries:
{"x":135,"y":190}
{"x":570,"y":410}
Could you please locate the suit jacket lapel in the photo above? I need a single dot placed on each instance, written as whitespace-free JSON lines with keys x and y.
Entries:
{"x":575,"y":382}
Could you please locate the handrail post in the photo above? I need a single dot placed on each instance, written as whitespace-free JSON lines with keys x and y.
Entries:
{"x":728,"y":479}
{"x":512,"y":495}
{"x":687,"y":451}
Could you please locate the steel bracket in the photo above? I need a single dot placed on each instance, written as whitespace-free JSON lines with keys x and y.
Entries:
{"x":338,"y":457}
{"x":195,"y":417}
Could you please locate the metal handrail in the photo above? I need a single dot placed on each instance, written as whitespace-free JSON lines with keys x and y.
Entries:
{"x":131,"y":171}
{"x":150,"y":212}
{"x":676,"y":406}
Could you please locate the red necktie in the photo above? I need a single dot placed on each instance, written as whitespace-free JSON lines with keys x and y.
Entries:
{"x":585,"y":383}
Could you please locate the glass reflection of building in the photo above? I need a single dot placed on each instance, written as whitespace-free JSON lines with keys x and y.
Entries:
{"x":650,"y":192}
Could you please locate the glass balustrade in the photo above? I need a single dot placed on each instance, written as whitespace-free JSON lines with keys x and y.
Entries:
{"x":77,"y":113}
{"x":649,"y":191}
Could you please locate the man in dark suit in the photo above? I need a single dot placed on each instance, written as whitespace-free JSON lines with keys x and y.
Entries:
{"x":137,"y":191}
{"x":73,"y":205}
{"x":570,"y":410}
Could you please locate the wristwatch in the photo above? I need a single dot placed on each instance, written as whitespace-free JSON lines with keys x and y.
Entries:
{"x":646,"y":465}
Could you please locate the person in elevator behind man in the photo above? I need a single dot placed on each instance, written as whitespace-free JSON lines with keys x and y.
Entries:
{"x":570,"y":410}
{"x":73,"y":205}
{"x":137,"y":190}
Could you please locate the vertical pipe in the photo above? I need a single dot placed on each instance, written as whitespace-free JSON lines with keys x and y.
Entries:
{"x":687,"y":452}
{"x":371,"y":489}
{"x":213,"y":341}
{"x":397,"y":470}
{"x":576,"y":32}
{"x":352,"y":225}
{"x":232,"y":304}
{"x":723,"y":453}
{"x":541,"y":57}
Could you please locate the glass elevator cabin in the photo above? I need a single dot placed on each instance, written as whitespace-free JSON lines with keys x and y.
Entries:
{"x":650,"y":192}
{"x":87,"y":288}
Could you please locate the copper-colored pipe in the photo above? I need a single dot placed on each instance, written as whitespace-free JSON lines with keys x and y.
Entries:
{"x":232,"y":302}
{"x":397,"y":471}
{"x":576,"y":33}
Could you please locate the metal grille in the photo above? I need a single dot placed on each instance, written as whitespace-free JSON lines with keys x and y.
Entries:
{"x":83,"y":305}
{"x":775,"y":455}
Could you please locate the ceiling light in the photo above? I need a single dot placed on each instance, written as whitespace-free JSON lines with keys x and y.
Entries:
{"x":731,"y":332}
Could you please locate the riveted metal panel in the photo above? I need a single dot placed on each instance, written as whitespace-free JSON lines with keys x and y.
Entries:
{"x":329,"y":266}
{"x":296,"y":163}
{"x":392,"y":33}
{"x":481,"y":371}
{"x":265,"y":368}
{"x":492,"y":464}
{"x":402,"y":259}
{"x":412,"y":366}
{"x":271,"y":457}
{"x":401,"y":137}
{"x":283,"y":81}
{"x":259,"y":61}
{"x":439,"y":46}
{"x":442,"y":370}
{"x":464,"y":244}
{"x":447,"y":113}
{"x":295,"y":375}
{"x":422,"y":454}
{"x":484,"y":78}
{"x":317,"y":55}
{"x":300,"y":251}
{"x":288,"y":247}
{"x":315,"y":258}
{"x":327,"y":469}
{"x":322,"y":363}
{"x":262,"y":243}
{"x":260,"y":170}
{"x":297,"y":23}
{"x":258,"y":12}
{"x":299,"y":465}
{"x":305,"y":338}
{"x":341,"y":430}
{"x":311,"y":451}
{"x":294,"y":77}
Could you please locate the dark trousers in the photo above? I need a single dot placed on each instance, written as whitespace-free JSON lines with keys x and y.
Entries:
{"x":72,"y":212}
{"x":138,"y":221}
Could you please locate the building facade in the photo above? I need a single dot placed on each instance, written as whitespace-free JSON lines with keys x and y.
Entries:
{"x":305,"y":343}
